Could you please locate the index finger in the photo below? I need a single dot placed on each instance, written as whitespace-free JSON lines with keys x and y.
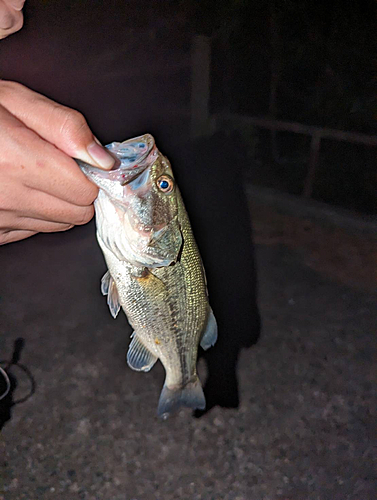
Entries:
{"x":64,"y":127}
{"x":29,"y":160}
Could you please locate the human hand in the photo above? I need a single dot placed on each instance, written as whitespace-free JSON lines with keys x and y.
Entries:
{"x":11,"y":17}
{"x":41,"y":187}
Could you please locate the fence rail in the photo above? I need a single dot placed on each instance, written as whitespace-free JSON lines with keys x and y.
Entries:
{"x":298,"y":128}
{"x":204,"y":123}
{"x":317,"y":133}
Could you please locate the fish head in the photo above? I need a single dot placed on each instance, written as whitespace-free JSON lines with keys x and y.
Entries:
{"x":137,"y":209}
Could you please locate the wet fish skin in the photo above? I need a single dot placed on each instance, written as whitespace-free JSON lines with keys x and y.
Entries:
{"x":156,"y":275}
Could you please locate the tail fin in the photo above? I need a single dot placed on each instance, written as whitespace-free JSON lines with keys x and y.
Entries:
{"x":190,"y":396}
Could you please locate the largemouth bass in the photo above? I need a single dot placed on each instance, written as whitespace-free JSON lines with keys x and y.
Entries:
{"x":155,"y":272}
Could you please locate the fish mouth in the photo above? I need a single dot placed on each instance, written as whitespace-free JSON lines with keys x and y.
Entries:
{"x":133,"y":151}
{"x":133,"y":157}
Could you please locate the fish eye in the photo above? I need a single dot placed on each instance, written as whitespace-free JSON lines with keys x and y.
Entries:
{"x":165,"y":184}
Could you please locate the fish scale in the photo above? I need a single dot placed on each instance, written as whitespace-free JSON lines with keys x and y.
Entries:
{"x":155,"y":272}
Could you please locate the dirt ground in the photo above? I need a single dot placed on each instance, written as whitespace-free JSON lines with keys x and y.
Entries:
{"x":344,"y":256}
{"x":304,"y":428}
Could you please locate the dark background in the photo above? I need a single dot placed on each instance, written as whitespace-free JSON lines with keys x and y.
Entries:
{"x":125,"y":65}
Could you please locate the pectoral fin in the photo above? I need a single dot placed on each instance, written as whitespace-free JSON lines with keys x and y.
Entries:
{"x":210,"y":334}
{"x":109,"y":288}
{"x":139,"y":357}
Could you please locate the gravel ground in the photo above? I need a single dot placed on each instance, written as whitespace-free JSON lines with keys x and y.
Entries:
{"x":303,"y":430}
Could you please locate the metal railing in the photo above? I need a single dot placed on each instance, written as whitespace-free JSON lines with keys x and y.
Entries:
{"x":204,"y":123}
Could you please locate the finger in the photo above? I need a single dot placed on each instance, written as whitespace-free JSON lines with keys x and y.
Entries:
{"x":64,"y":127}
{"x":43,"y":206}
{"x":7,"y":19}
{"x":30,"y":161}
{"x":11,"y":223}
{"x":11,"y":236}
{"x":11,"y":20}
{"x":22,"y":201}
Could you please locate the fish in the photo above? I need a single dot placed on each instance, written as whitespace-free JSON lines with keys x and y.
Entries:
{"x":155,"y":271}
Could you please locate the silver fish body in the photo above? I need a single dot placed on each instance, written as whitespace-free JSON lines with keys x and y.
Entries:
{"x":155,"y":272}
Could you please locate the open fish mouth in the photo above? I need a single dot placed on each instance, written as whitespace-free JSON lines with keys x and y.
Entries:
{"x":133,"y":151}
{"x":133,"y":155}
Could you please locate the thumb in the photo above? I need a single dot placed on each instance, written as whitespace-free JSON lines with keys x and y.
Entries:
{"x":66,"y":128}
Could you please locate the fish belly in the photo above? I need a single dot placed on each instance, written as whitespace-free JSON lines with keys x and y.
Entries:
{"x":164,"y":313}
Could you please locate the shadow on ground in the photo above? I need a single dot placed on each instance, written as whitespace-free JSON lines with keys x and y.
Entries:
{"x":9,"y":382}
{"x":209,"y":173}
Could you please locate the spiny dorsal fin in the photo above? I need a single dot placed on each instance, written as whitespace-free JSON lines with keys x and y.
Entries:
{"x":109,"y":288}
{"x":139,"y":357}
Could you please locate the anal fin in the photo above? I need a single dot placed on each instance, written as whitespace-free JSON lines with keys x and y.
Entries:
{"x":210,"y":334}
{"x":108,"y":287}
{"x":139,"y":357}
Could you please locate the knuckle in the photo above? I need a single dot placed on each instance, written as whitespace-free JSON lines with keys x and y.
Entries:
{"x":9,"y":87}
{"x":10,"y":236}
{"x":73,"y":123}
{"x":7,"y":238}
{"x":53,"y":227}
{"x":4,"y":237}
{"x":65,"y":227}
{"x":89,"y":194}
{"x":7,"y":20}
{"x":19,"y":23}
{"x":84,"y":216}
